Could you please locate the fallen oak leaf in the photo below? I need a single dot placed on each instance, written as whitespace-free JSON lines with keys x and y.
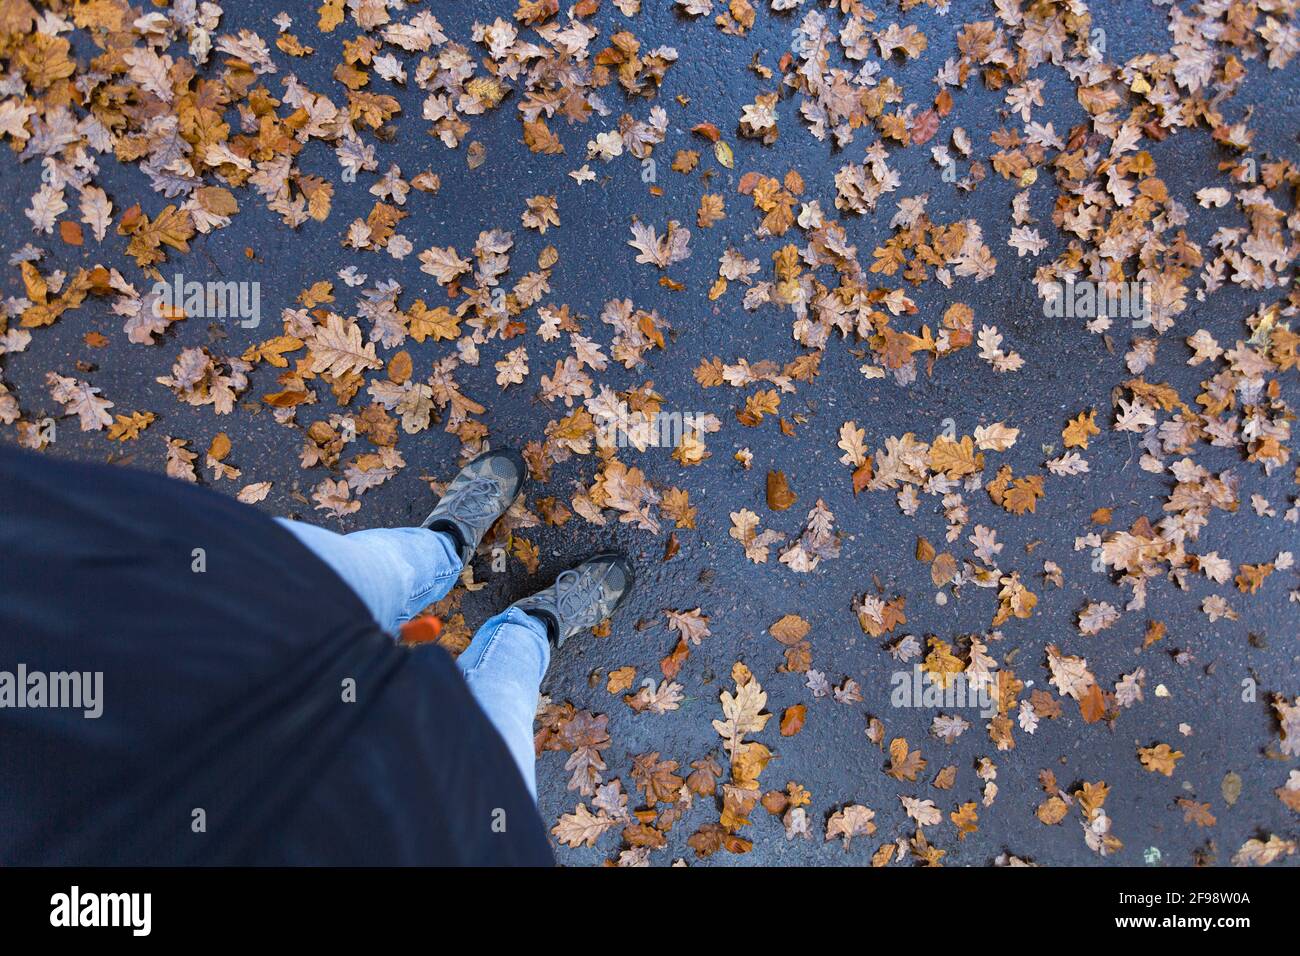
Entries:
{"x":965,"y":818}
{"x":1159,"y":759}
{"x":853,"y":820}
{"x":657,"y":700}
{"x":1080,"y":428}
{"x":904,"y":763}
{"x":743,"y":714}
{"x":1198,"y":813}
{"x":81,"y":399}
{"x":924,"y":812}
{"x":129,"y":427}
{"x":692,"y":625}
{"x":620,"y":679}
{"x":582,"y":827}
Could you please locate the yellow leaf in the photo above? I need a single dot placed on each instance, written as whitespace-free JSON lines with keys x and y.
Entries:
{"x":331,"y":15}
{"x":1160,"y":758}
{"x":955,"y":459}
{"x":128,"y":428}
{"x":620,"y":679}
{"x":437,"y":324}
{"x":1076,"y":433}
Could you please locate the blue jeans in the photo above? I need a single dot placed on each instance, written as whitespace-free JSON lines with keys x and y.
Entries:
{"x":399,"y":571}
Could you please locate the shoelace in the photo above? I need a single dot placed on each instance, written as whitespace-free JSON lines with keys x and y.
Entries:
{"x":573,"y":592}
{"x":477,"y":499}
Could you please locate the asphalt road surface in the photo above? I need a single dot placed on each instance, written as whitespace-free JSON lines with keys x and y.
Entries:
{"x":1067,"y":369}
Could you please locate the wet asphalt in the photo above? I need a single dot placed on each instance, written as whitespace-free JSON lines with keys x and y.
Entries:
{"x":1067,"y":370}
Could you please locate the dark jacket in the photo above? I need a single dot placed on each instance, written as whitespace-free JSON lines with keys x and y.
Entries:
{"x":224,"y":736}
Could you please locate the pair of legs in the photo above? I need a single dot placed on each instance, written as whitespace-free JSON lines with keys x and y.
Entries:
{"x":399,"y":571}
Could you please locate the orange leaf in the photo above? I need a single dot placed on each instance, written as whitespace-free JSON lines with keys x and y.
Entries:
{"x":70,"y":232}
{"x":779,"y":495}
{"x":1092,"y":705}
{"x":792,"y":720}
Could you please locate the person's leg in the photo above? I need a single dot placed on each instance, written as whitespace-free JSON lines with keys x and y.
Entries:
{"x":508,"y":657}
{"x":395,"y":571}
{"x":503,"y":667}
{"x":398,"y":571}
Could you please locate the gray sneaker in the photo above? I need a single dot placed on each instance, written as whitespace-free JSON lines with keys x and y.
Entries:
{"x":582,"y":597}
{"x":481,"y":493}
